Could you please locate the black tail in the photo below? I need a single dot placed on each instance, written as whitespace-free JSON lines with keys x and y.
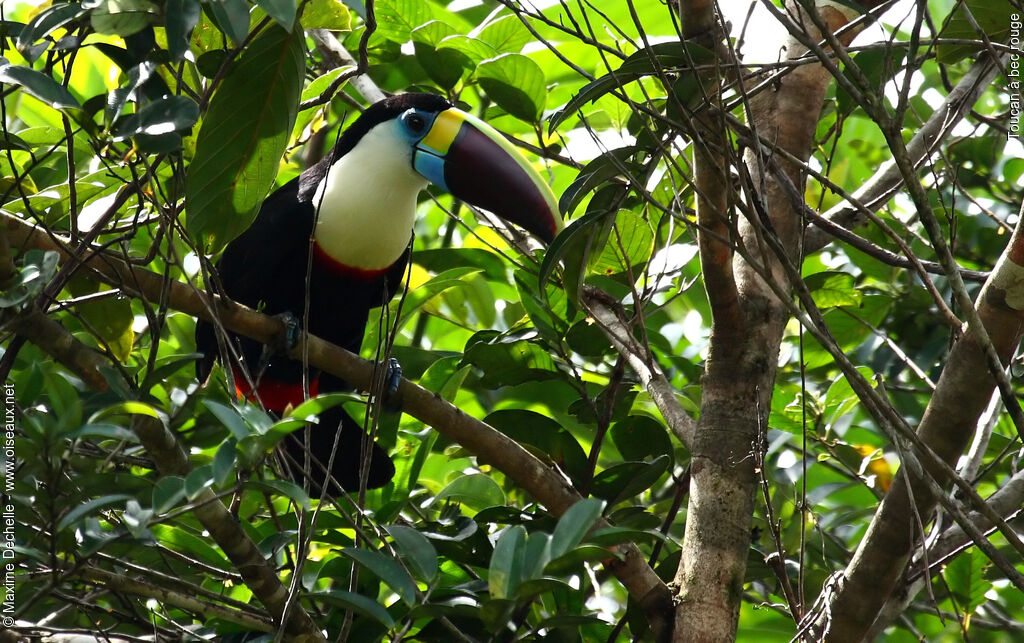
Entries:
{"x":347,"y":458}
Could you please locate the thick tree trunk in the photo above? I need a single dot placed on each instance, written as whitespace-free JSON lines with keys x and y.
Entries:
{"x":747,"y":329}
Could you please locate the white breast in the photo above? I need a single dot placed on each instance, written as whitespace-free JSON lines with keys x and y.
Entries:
{"x":369,"y":201}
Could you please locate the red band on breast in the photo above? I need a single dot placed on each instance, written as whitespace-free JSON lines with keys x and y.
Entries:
{"x":275,"y":395}
{"x":326,"y":261}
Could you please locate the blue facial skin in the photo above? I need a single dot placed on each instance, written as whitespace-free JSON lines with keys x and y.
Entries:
{"x":429,"y":163}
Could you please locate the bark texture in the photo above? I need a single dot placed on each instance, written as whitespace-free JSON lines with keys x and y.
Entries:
{"x":961,"y":395}
{"x":747,"y":329}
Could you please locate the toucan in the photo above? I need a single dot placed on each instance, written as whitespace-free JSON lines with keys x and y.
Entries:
{"x":354,"y":212}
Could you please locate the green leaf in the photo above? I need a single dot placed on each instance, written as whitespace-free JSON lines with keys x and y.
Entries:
{"x":129,"y":407}
{"x":87,"y":508}
{"x":993,"y":16}
{"x":966,"y":579}
{"x":168,"y":493}
{"x":544,"y":434}
{"x":574,"y":525}
{"x":397,"y":18}
{"x":417,"y":552}
{"x":103,"y":432}
{"x":356,"y":603}
{"x":38,"y":86}
{"x":505,"y":572}
{"x":243,"y":138}
{"x":445,"y":66}
{"x":477,"y":491}
{"x":109,"y":318}
{"x":185,"y":542}
{"x":638,"y":437}
{"x":326,"y":14}
{"x":574,"y":245}
{"x":182,"y":16}
{"x":629,"y":245}
{"x":121,"y":17}
{"x":386,"y":569}
{"x":507,"y":361}
{"x":516,"y":84}
{"x":506,"y":34}
{"x":672,"y":57}
{"x":610,"y":164}
{"x":51,"y":18}
{"x":230,"y":418}
{"x":284,"y":488}
{"x":627,"y":479}
{"x":832,"y":289}
{"x":232,"y":16}
{"x":198,"y":480}
{"x":572,"y":560}
{"x":282,"y":11}
{"x":475,"y":50}
{"x":224,"y":461}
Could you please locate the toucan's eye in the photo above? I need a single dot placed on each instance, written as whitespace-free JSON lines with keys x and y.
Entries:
{"x":414,"y":122}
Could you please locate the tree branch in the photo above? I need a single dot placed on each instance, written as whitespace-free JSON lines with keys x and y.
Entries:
{"x":544,"y":483}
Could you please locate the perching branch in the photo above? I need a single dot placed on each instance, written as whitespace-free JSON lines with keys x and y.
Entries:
{"x":544,"y":483}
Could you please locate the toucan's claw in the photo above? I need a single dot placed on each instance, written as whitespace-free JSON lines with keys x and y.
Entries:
{"x":392,"y":379}
{"x":291,"y":330}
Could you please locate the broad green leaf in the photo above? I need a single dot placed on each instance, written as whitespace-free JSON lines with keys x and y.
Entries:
{"x":183,"y":541}
{"x":417,"y":552}
{"x":356,"y":603}
{"x":230,"y":418}
{"x":573,"y":246}
{"x":283,"y":488}
{"x":386,"y":569}
{"x":505,"y":572}
{"x":627,"y":479}
{"x":103,"y":431}
{"x":282,"y":11}
{"x":397,"y":18}
{"x":445,"y":66}
{"x":129,"y":407}
{"x":506,"y":34}
{"x":326,"y":14}
{"x":182,"y":16}
{"x":224,"y":462}
{"x":506,"y":361}
{"x":110,"y":319}
{"x":198,"y":480}
{"x":89,"y":507}
{"x":572,"y":560}
{"x":516,"y":84}
{"x":574,"y":525}
{"x":966,"y":579}
{"x":610,"y":164}
{"x":993,"y":16}
{"x":45,"y":23}
{"x":476,"y":491}
{"x":232,"y":16}
{"x":671,"y":57}
{"x":629,"y":245}
{"x":475,"y":50}
{"x":38,"y":85}
{"x":121,"y":17}
{"x":242,"y":138}
{"x":544,"y":434}
{"x":831,"y":289}
{"x":638,"y":437}
{"x":168,"y":492}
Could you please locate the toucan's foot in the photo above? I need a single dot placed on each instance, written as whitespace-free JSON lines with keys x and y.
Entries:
{"x":283,"y":342}
{"x":291,"y":330}
{"x":392,"y":378}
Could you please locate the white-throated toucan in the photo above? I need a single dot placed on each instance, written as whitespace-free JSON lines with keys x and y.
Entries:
{"x":358,"y":205}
